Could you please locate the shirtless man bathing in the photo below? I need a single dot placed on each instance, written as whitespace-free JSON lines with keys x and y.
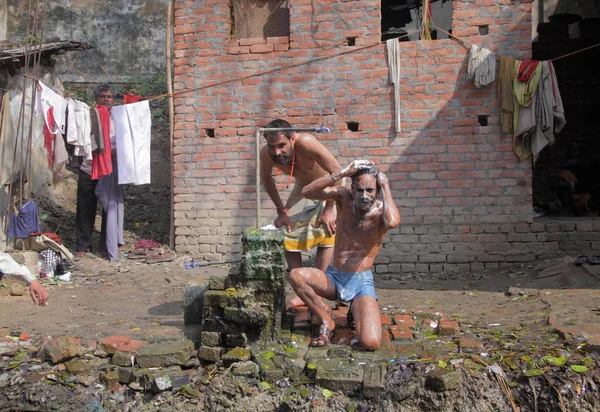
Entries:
{"x":362,"y":222}
{"x":307,"y":223}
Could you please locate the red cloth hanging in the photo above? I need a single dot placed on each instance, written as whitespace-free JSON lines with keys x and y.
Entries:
{"x":131,"y":98}
{"x":102,"y":162}
{"x":526,"y":69}
{"x":48,"y":136}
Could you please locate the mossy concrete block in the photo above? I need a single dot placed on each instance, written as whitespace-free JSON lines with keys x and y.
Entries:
{"x":165,"y":354}
{"x":210,"y":338}
{"x":110,"y":379}
{"x":255,"y":315}
{"x":271,"y":365}
{"x":339,"y":352}
{"x":339,"y":374}
{"x":258,"y":239}
{"x":374,"y":380}
{"x":122,"y":358}
{"x":294,"y":368}
{"x":193,"y":302}
{"x":236,"y":355}
{"x":78,"y":366}
{"x":126,"y":375}
{"x":247,"y":369}
{"x":233,"y":340}
{"x":209,"y":353}
{"x":227,"y":298}
{"x":217,"y":283}
{"x":157,"y":379}
{"x":216,"y":324}
{"x":439,"y":380}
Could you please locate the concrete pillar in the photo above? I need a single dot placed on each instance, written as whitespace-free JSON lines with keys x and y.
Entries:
{"x":3,"y":19}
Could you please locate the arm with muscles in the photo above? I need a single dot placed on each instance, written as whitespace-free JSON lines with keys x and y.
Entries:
{"x":321,"y":189}
{"x":390,"y":213}
{"x":9,"y":267}
{"x":266,"y":165}
{"x":327,"y":161}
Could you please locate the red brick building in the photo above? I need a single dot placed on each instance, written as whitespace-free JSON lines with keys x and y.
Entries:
{"x":464,"y":197}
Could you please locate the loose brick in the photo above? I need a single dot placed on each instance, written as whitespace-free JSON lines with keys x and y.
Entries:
{"x":400,"y":332}
{"x":448,"y":327}
{"x":404,"y":319}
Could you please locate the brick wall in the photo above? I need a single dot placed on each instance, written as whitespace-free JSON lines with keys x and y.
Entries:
{"x":464,"y":197}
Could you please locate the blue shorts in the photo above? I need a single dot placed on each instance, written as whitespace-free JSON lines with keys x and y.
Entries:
{"x":351,"y":285}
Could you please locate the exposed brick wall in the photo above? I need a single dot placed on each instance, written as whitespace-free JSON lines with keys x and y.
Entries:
{"x":464,"y":197}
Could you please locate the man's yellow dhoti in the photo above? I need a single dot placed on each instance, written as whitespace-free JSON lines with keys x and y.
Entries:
{"x":303,"y":214}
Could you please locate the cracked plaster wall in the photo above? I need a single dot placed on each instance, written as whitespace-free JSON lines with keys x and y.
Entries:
{"x":127,"y":36}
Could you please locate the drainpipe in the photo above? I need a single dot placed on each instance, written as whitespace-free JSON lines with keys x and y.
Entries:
{"x":259,"y":132}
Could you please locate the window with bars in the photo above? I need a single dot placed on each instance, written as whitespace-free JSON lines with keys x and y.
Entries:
{"x":260,"y":18}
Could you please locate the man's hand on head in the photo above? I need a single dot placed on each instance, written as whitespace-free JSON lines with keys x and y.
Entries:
{"x":355,"y":166}
{"x":382,"y":179}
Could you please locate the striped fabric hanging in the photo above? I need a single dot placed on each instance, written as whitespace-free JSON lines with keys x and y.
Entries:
{"x":426,"y":23}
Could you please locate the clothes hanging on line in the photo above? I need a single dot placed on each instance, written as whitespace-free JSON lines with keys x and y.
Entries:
{"x":25,"y":222}
{"x":482,"y":66}
{"x":55,"y":145}
{"x":131,"y":98}
{"x":393,"y":54}
{"x":133,"y":123}
{"x":539,"y":112}
{"x":102,"y":164}
{"x":506,"y":74}
{"x":79,"y":128}
{"x":45,"y":98}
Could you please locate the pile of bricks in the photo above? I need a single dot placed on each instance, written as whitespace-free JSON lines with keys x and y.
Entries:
{"x":246,"y":308}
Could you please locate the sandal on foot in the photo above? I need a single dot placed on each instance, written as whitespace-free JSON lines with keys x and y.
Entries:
{"x":581,"y":260}
{"x":324,"y":338}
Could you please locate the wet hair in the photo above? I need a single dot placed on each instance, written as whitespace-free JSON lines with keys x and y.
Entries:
{"x":279,"y":124}
{"x":372,"y":171}
{"x":103,"y":88}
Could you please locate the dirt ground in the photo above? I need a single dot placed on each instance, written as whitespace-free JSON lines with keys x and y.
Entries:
{"x":146,"y":300}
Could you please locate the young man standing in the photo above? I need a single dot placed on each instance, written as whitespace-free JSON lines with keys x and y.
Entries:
{"x":307,"y":223}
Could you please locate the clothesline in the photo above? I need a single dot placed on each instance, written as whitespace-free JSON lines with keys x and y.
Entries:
{"x":467,"y":45}
{"x":450,"y":35}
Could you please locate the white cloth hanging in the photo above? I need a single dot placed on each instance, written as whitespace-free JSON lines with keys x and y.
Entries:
{"x":44,"y":100}
{"x":482,"y":66}
{"x":393,"y":51}
{"x":133,"y":124}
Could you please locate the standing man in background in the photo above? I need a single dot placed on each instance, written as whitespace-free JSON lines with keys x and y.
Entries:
{"x":307,"y":223}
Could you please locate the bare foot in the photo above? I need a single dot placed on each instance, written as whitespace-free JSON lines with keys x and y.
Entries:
{"x":80,"y":254}
{"x":293,"y":302}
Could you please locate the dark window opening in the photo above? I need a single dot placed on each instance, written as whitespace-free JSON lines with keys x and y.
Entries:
{"x":260,"y":18}
{"x":566,"y":174}
{"x":482,"y":119}
{"x":352,"y":126}
{"x":484,"y":30}
{"x":351,"y":41}
{"x":403,"y":18}
{"x":210,"y":132}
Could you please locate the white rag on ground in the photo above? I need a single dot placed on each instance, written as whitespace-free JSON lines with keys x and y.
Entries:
{"x":393,"y":49}
{"x":482,"y":66}
{"x":133,"y":124}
